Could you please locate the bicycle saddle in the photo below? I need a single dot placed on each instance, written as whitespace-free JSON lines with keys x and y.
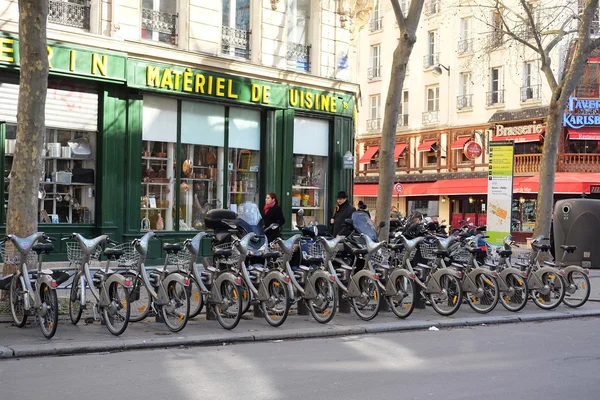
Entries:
{"x":357,"y":251}
{"x":43,"y":248}
{"x":568,"y":248}
{"x":330,"y":245}
{"x":172,"y":248}
{"x":475,"y":250}
{"x":113,"y":254}
{"x":24,"y":245}
{"x":444,"y":243}
{"x":193,"y":244}
{"x":504,"y":253}
{"x":222,"y":253}
{"x":90,"y":244}
{"x":397,"y":246}
{"x":441,"y":253}
{"x":412,"y":243}
{"x":287,"y":246}
{"x":372,"y":245}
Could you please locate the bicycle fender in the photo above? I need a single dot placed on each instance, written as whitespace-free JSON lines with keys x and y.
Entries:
{"x":390,"y":287}
{"x":468,"y":283}
{"x":46,"y":279}
{"x":215,"y":293}
{"x":540,"y":272}
{"x":573,"y":268}
{"x":309,"y":289}
{"x":353,"y":290}
{"x":433,"y":286}
{"x":120,"y":279}
{"x":504,"y":275}
{"x":263,"y":293}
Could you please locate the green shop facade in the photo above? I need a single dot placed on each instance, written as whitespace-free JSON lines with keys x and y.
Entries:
{"x":134,"y":145}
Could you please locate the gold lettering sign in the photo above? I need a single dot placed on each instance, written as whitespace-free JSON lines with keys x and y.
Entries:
{"x":7,"y":50}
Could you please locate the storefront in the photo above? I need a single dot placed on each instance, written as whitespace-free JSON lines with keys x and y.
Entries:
{"x":168,"y":142}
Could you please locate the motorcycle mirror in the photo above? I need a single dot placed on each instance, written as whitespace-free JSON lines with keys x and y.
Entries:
{"x":272,"y":227}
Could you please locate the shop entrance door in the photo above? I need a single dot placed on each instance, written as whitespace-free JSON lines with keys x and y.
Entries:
{"x":471,"y":209}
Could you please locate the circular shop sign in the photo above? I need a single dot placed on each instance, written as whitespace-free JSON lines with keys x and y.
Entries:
{"x":472,"y":150}
{"x":398,"y":188}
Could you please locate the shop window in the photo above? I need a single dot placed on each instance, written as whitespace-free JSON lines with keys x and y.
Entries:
{"x":69,"y":169}
{"x":402,"y":160}
{"x":523,"y":214}
{"x":584,"y":146}
{"x":243,"y":156}
{"x":529,"y":148}
{"x":429,"y":208}
{"x":461,"y":157}
{"x":431,"y":157}
{"x":311,"y":147}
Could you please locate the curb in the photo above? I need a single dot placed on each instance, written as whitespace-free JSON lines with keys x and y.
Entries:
{"x":64,"y":349}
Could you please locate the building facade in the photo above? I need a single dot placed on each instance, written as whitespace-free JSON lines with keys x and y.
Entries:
{"x":159,"y":110}
{"x":467,"y":85}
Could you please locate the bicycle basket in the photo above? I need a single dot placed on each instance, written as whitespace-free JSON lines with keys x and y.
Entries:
{"x":12,"y":256}
{"x":130,"y":256}
{"x":381,"y":257}
{"x":400,"y":256}
{"x":182,"y":258}
{"x":427,"y":251}
{"x":74,"y":253}
{"x":233,"y":259}
{"x":461,"y":255}
{"x":313,"y":250}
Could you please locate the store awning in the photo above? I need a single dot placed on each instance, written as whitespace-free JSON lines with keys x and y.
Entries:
{"x":533,"y":137}
{"x":584,"y":134}
{"x":564,"y":183}
{"x":460,"y":143}
{"x":426,"y":145}
{"x":366,"y":158}
{"x":400,"y":148}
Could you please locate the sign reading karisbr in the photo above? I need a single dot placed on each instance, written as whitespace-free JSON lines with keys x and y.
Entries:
{"x":69,"y":59}
{"x":500,"y":189}
{"x":582,"y":113}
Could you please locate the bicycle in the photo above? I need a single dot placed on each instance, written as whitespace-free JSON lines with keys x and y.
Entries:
{"x":36,"y":296}
{"x":166,"y":292}
{"x":110,"y":290}
{"x":576,"y":279}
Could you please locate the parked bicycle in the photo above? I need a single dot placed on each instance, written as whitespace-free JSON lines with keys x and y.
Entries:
{"x":577,"y":291}
{"x":36,"y":295}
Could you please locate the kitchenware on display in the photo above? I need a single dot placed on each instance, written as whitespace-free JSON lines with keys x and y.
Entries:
{"x":65,"y":152}
{"x":10,"y":146}
{"x":80,"y":148}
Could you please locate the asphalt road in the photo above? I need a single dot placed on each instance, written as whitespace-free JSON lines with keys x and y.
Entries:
{"x":550,"y":360}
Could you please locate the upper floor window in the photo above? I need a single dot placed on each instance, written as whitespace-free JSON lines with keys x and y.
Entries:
{"x":465,"y":97}
{"x":432,"y":57}
{"x":74,"y":13}
{"x":496,"y":93}
{"x":159,"y":20}
{"x":433,"y":98}
{"x":531,"y":81}
{"x":235,"y":31}
{"x":465,"y":44}
{"x":497,"y":36}
{"x":403,"y":112}
{"x":374,"y":121}
{"x":376,"y":23}
{"x":432,"y":7}
{"x":298,"y":48}
{"x":375,"y":69}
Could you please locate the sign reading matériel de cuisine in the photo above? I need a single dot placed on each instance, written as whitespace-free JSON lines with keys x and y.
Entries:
{"x":500,"y":190}
{"x":174,"y":79}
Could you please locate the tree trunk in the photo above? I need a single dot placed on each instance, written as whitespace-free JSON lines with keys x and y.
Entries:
{"x":22,"y":216}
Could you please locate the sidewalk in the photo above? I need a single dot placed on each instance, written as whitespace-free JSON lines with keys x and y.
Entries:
{"x":70,"y":339}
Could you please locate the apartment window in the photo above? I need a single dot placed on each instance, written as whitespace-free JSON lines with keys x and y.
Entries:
{"x":496,"y":93}
{"x":433,"y":98}
{"x":531,"y":82}
{"x":432,"y":57}
{"x":465,"y":44}
{"x":235,"y":30}
{"x":73,"y":13}
{"x":433,"y":7}
{"x":403,"y":112}
{"x":374,"y":121}
{"x":465,"y":97}
{"x":298,"y":48}
{"x":376,"y":23}
{"x":497,"y":29}
{"x":375,"y":70}
{"x":159,"y":20}
{"x":595,"y":26}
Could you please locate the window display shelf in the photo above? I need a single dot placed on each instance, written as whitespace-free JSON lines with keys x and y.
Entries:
{"x":307,"y":208}
{"x":242,"y":192}
{"x":155,"y":208}
{"x":157,"y":183}
{"x":197,"y":179}
{"x":306,"y":187}
{"x":155,"y":158}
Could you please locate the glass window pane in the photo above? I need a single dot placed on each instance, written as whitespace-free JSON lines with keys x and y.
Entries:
{"x":158,"y":177}
{"x":309,"y":189}
{"x":244,"y":129}
{"x":311,"y":136}
{"x":202,"y":123}
{"x":160,"y":119}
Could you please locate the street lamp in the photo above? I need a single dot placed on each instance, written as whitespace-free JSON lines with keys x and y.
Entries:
{"x":437,"y":70}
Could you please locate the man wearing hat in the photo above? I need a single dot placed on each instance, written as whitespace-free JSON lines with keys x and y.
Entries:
{"x":343,"y":211}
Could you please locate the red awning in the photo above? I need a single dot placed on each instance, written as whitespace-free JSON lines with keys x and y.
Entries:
{"x":460,"y":142}
{"x":584,"y":134}
{"x":533,"y":137}
{"x":426,"y":145}
{"x":366,"y":158}
{"x":564,"y":182}
{"x":399,"y":150}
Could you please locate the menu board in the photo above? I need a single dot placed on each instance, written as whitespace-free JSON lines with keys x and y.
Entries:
{"x":500,"y":190}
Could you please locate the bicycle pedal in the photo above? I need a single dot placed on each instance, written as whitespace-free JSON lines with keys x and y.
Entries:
{"x":89,"y":320}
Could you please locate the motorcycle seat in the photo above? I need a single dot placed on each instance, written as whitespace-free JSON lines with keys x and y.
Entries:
{"x":568,"y":248}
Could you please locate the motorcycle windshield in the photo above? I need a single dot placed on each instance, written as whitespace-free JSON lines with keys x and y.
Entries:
{"x":363,"y":224}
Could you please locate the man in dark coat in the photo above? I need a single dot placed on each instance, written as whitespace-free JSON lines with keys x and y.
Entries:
{"x":343,"y":211}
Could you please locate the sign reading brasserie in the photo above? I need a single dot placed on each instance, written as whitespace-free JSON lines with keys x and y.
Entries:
{"x":582,"y":113}
{"x":502,"y":130}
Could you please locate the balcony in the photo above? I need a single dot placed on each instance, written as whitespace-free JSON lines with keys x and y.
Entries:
{"x":495,"y":39}
{"x":465,"y":46}
{"x":374,"y":72}
{"x":159,"y":26}
{"x":431,"y":60}
{"x":376,"y":25}
{"x":402,"y":121}
{"x":298,"y":56}
{"x":495,"y":97}
{"x":529,"y":164}
{"x":432,"y":7}
{"x":464,"y":102}
{"x":72,"y":13}
{"x":530,"y":93}
{"x":373,"y":125}
{"x":587,"y":90}
{"x":431,"y":117}
{"x":235,"y":42}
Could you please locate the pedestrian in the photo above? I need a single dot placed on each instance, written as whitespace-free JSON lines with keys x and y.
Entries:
{"x":343,"y":211}
{"x":272,"y":214}
{"x":363,"y":208}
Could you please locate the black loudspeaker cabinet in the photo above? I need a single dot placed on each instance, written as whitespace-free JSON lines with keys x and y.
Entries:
{"x":577,"y":222}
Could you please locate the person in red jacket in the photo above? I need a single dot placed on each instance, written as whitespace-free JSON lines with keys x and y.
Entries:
{"x":272,"y":214}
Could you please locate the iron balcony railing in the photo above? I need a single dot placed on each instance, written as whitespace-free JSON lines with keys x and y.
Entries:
{"x":495,"y":97}
{"x":298,"y":56}
{"x":496,"y":39}
{"x":373,"y":124}
{"x":70,"y":13}
{"x":402,"y":120}
{"x":235,"y":42}
{"x":376,"y":25}
{"x":374,"y":72}
{"x":464,"y":102}
{"x":432,"y":7}
{"x":163,"y":23}
{"x":431,"y":60}
{"x":465,"y":46}
{"x":431,"y":117}
{"x":531,"y":92}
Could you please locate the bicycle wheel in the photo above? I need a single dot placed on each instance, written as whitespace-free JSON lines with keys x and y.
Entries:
{"x":403,"y":302}
{"x":366,"y":305}
{"x":515,"y":298}
{"x":324,"y":306}
{"x":229,"y":310}
{"x":75,"y":306}
{"x":276,"y":309}
{"x":196,"y":298}
{"x":246,"y":296}
{"x":175,"y":313}
{"x":553,"y":292}
{"x":17,"y":303}
{"x":578,"y":289}
{"x":141,"y":299}
{"x":116,"y":314}
{"x":486,"y":297}
{"x":49,"y":321}
{"x":449,"y":300}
